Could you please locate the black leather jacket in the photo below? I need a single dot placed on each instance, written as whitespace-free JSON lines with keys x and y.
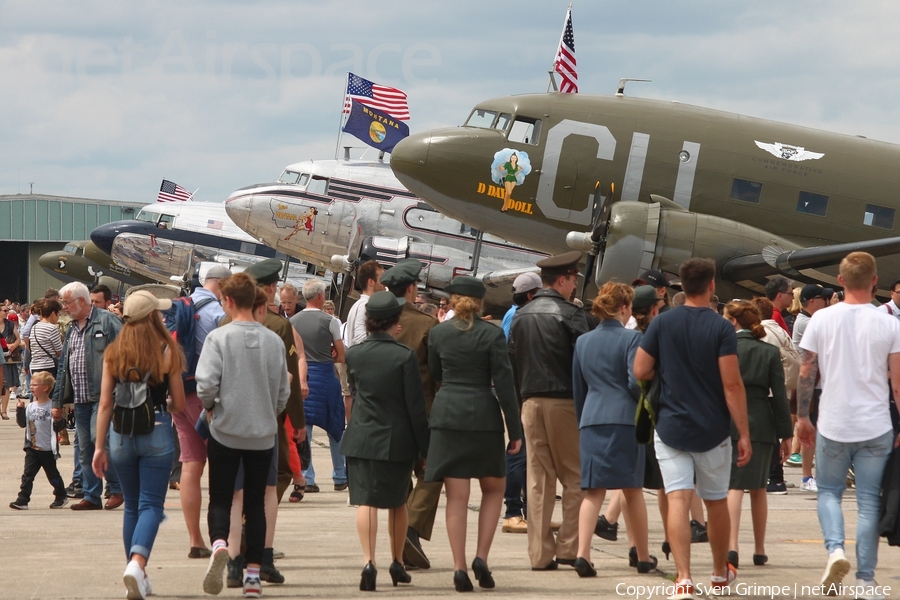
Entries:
{"x":542,"y":342}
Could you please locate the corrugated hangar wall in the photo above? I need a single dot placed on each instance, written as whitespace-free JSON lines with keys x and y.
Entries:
{"x":34,"y":224}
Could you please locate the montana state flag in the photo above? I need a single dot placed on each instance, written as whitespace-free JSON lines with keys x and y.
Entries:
{"x":376,"y":128}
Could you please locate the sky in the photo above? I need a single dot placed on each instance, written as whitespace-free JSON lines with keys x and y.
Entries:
{"x":105,"y":99}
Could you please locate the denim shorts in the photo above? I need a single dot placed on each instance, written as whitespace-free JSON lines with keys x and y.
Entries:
{"x":710,"y":470}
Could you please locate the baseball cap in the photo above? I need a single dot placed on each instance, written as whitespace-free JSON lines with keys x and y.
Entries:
{"x":526,"y":282}
{"x":141,"y":303}
{"x":217,"y":272}
{"x":652,"y":277}
{"x":812,"y":290}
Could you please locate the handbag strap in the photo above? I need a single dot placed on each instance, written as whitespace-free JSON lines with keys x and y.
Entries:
{"x":41,"y":346}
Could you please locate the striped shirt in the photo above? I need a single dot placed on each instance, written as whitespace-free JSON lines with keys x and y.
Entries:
{"x":78,"y":374}
{"x":46,"y":344}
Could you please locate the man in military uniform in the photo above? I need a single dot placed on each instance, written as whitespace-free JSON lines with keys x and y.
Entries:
{"x":541,"y":345}
{"x":402,"y":281}
{"x":266,"y":273}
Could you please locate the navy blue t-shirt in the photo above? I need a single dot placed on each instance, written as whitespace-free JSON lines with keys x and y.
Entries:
{"x":687,"y":342}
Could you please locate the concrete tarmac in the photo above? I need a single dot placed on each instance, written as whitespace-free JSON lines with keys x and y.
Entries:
{"x":48,"y":553}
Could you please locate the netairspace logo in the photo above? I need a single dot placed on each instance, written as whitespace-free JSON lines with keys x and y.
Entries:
{"x":796,"y":590}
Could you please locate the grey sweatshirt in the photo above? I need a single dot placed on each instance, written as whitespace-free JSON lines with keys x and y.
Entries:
{"x":242,"y":376}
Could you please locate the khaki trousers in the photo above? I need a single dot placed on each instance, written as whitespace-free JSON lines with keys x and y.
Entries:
{"x":552,"y":434}
{"x":422,"y":503}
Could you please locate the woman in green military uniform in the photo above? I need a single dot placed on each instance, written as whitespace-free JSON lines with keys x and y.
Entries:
{"x":508,"y":172}
{"x":387,"y":432}
{"x":467,"y":354}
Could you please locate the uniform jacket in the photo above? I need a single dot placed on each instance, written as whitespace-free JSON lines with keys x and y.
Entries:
{"x":388,"y":419}
{"x":466,"y":362}
{"x":542,"y":343}
{"x":414,"y":328}
{"x":606,"y":391}
{"x":101,"y":330}
{"x":889,"y":516}
{"x":770,"y":416}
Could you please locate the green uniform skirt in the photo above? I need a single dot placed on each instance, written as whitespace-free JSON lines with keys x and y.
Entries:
{"x":378,"y":483}
{"x":755,"y":474}
{"x":465,"y":454}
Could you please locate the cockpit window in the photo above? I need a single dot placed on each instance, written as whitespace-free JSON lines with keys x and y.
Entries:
{"x":289,"y":177}
{"x":166,"y":222}
{"x":71,"y":248}
{"x":317,"y":185}
{"x":481,"y":118}
{"x":304,"y":180}
{"x":525,"y":130}
{"x":150,"y":217}
{"x":503,"y":121}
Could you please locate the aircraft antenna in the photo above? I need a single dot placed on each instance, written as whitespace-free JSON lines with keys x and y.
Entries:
{"x":623,"y":81}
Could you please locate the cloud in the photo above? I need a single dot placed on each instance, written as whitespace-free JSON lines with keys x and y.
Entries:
{"x":104,"y":100}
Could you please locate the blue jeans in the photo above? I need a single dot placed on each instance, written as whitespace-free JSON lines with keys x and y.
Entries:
{"x":339,"y":467}
{"x":868,"y":460}
{"x":143,"y":463}
{"x":515,"y":495}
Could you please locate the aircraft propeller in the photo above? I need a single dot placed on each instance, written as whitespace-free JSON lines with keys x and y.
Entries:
{"x":600,"y":213}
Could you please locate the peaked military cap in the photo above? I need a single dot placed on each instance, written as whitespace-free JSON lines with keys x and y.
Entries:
{"x":644,"y":296}
{"x":403,"y":273}
{"x":382,"y":305}
{"x":566,"y":264}
{"x":265,"y":271}
{"x":466,"y":285}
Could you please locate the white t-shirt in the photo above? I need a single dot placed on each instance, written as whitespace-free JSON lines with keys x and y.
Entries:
{"x":355,"y":330}
{"x":853,"y":342}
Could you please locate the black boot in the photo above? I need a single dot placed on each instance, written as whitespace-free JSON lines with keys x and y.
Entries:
{"x":267,"y":570}
{"x":235,"y":577}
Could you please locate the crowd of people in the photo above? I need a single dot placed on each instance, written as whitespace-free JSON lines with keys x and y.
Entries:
{"x":697,"y":400}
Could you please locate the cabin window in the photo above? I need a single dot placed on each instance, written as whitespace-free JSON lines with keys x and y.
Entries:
{"x":812,"y":204}
{"x":317,"y":185}
{"x":289,"y":177}
{"x":879,"y":216}
{"x":746,"y":191}
{"x":481,"y":118}
{"x":503,"y":121}
{"x":525,"y":131}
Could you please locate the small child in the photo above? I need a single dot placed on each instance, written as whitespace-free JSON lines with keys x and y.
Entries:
{"x":40,"y":442}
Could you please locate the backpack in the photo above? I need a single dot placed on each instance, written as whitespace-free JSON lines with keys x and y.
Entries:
{"x":133,"y":410}
{"x":181,"y":321}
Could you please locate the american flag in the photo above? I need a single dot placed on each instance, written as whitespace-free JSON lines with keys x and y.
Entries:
{"x":384,"y":98}
{"x":172,"y":192}
{"x":564,"y":63}
{"x":214,"y":224}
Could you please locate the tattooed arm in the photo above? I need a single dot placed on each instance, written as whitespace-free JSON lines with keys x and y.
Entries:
{"x":809,"y":368}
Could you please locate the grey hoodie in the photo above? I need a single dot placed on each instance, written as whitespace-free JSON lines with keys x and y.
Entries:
{"x":242,"y":376}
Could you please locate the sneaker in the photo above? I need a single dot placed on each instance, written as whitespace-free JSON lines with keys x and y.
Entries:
{"x":795,"y":460}
{"x":134,"y":578}
{"x":252,"y":587}
{"x":148,"y":589}
{"x":75,"y":491}
{"x":869,"y":590}
{"x":515,"y":525}
{"x":721,"y":584}
{"x":809,"y":485}
{"x":60,"y":502}
{"x":340,"y":487}
{"x":212,"y":581}
{"x":18,"y":505}
{"x":836,"y":569}
{"x":777,"y":489}
{"x":682,"y":590}
{"x":698,"y":532}
{"x":605,"y":529}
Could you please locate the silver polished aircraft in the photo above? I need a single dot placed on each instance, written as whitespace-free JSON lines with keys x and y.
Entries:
{"x":340,"y":213}
{"x":171,"y":239}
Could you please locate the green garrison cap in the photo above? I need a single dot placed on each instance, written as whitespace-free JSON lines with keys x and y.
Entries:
{"x":265,"y":271}
{"x":403,"y":273}
{"x":644,"y":296}
{"x":383,"y":305}
{"x":563,"y":263}
{"x":465,"y":285}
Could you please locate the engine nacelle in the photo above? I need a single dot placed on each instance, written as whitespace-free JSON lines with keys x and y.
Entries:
{"x":390,"y":251}
{"x":647,"y":236}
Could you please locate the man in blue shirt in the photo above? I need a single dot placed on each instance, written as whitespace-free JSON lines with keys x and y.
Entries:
{"x":694,"y":352}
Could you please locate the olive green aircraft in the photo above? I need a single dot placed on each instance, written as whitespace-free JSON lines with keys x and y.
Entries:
{"x":646,"y":184}
{"x":83,"y":261}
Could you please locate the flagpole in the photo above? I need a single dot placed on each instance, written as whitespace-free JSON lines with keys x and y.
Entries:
{"x":337,"y":147}
{"x":194,"y":192}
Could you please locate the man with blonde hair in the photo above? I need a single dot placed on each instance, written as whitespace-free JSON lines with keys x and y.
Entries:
{"x":857,"y":349}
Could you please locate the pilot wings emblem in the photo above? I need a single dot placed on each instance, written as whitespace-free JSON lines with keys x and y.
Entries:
{"x":787,"y":152}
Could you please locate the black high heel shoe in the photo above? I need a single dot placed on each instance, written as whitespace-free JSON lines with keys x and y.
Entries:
{"x":461,"y":582}
{"x":399,"y":574}
{"x":367,"y":579}
{"x":645,"y":566}
{"x":482,"y":574}
{"x":759,"y":560}
{"x":632,"y":557}
{"x":666,"y":548}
